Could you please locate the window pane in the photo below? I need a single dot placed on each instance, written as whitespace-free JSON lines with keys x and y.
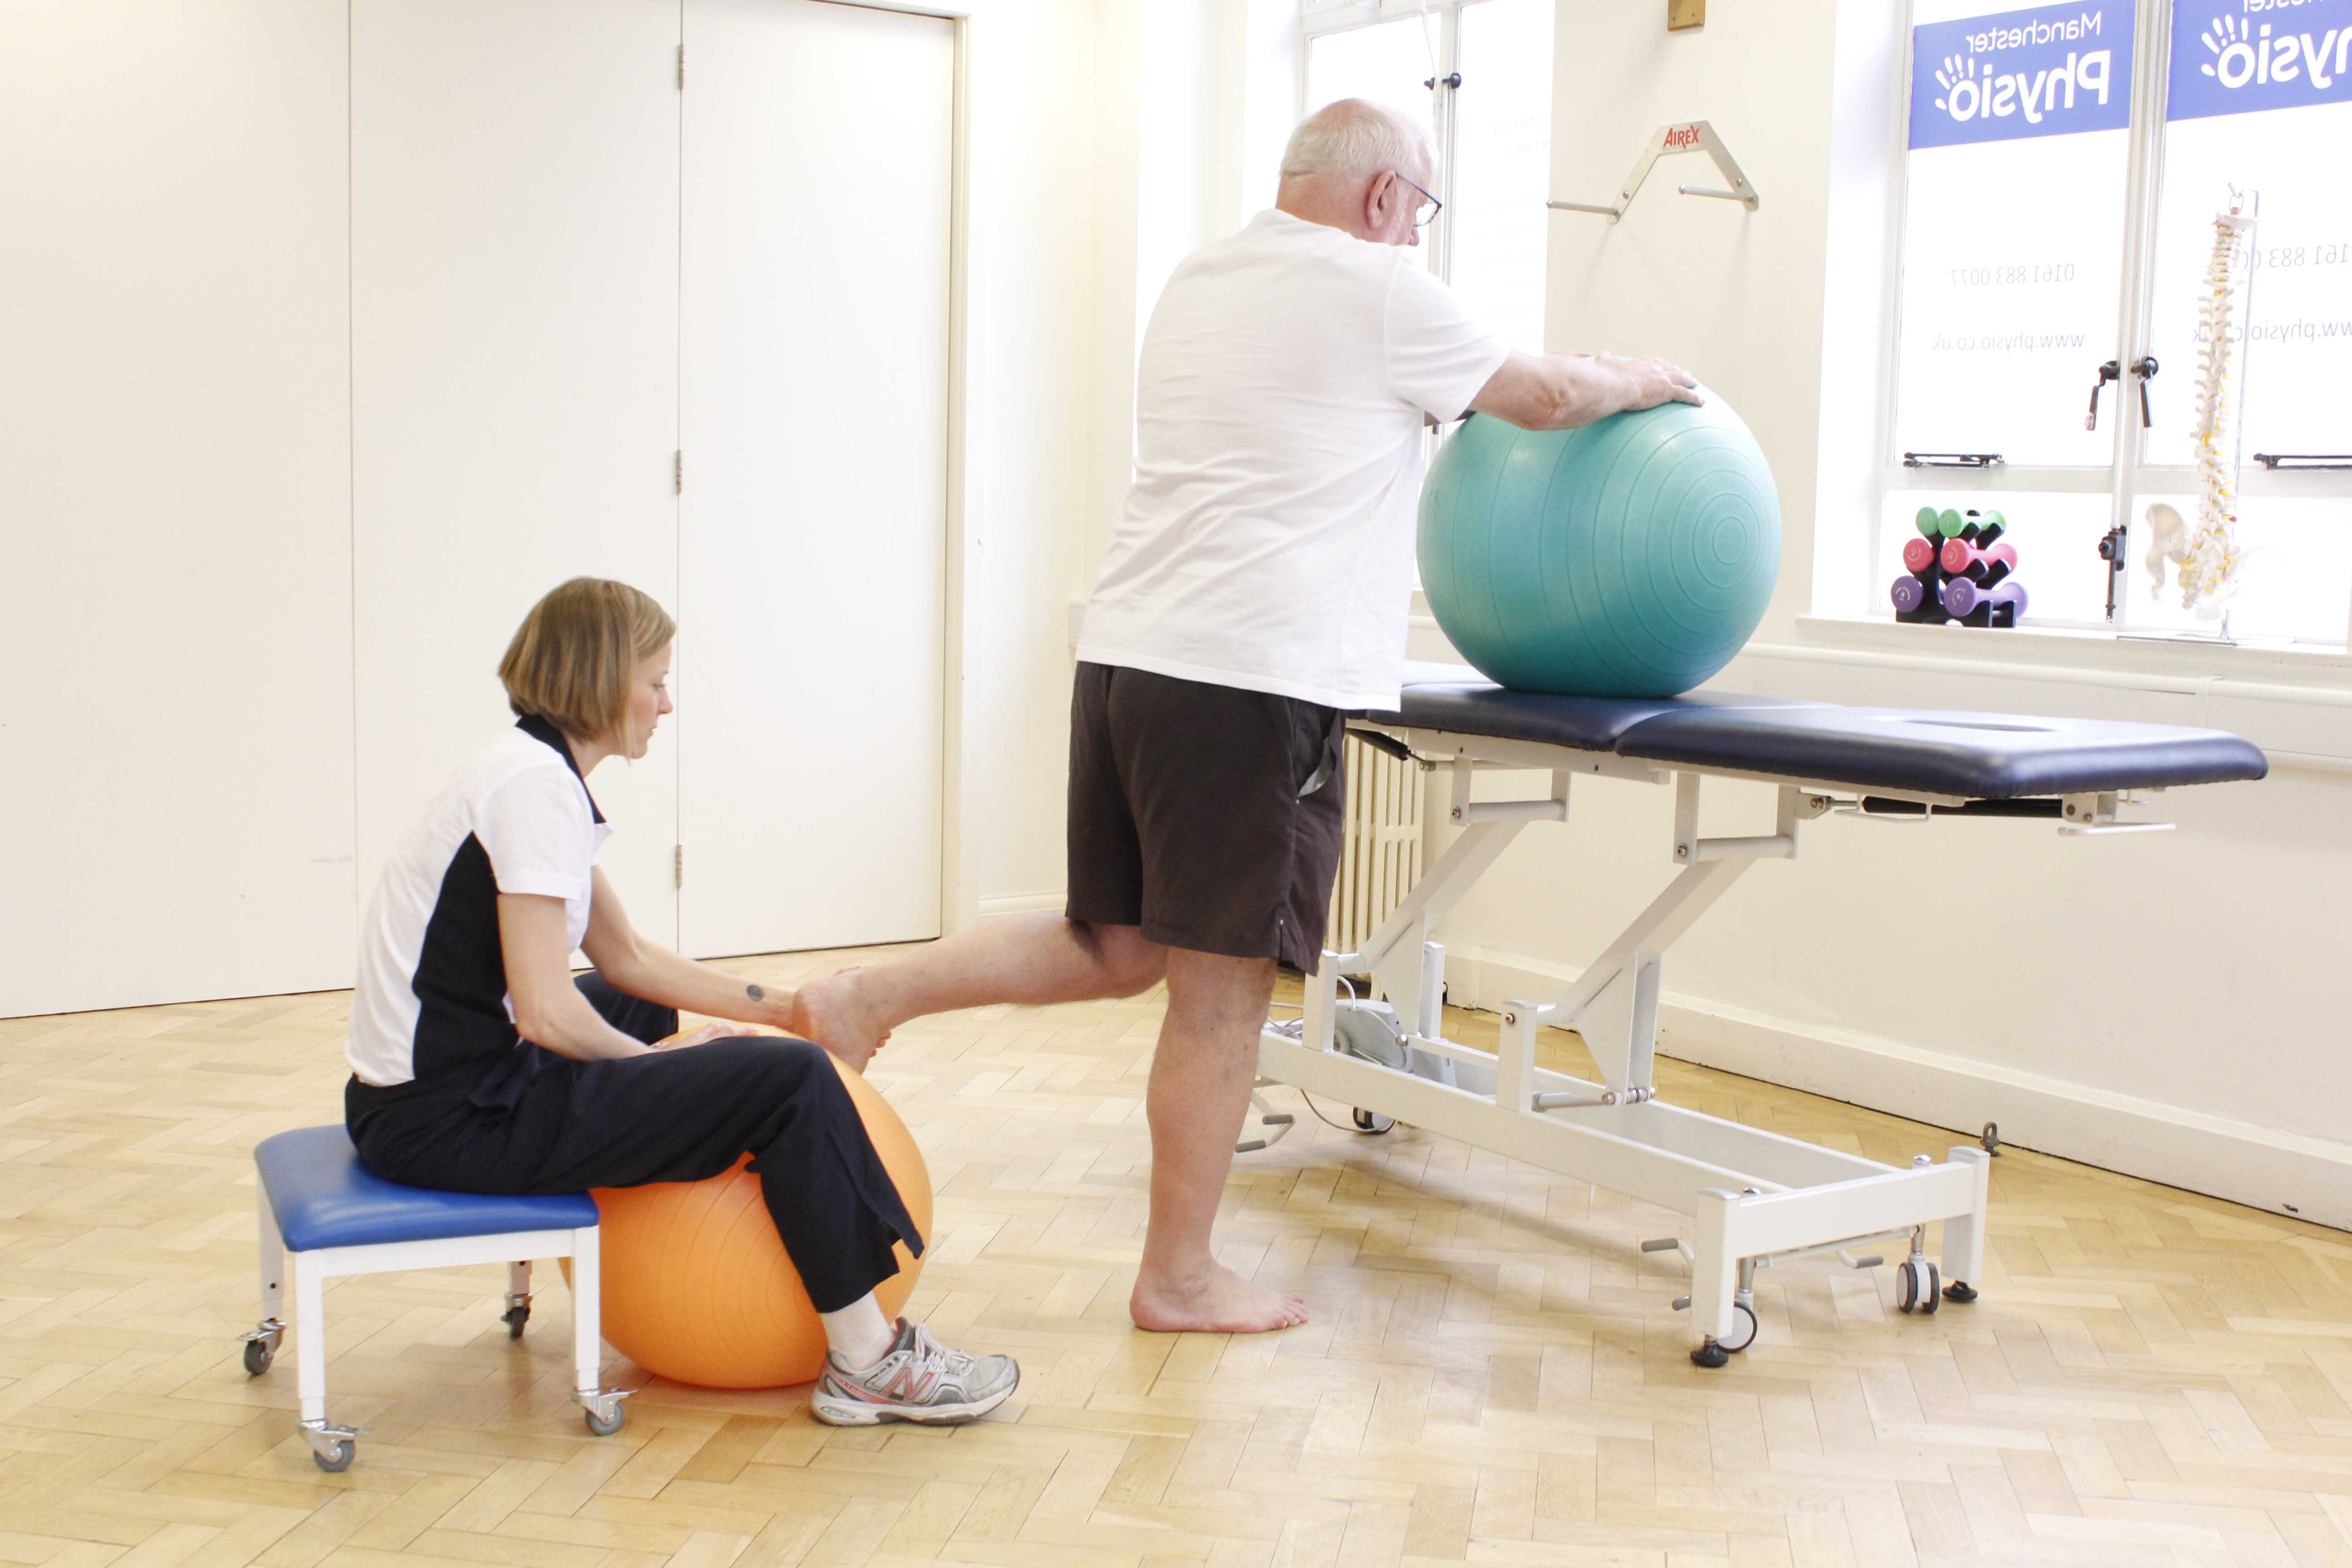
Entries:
{"x":1502,"y":167}
{"x":2266,"y":105}
{"x":2055,"y":536}
{"x":1386,"y":63}
{"x":2012,"y":228}
{"x":2296,"y":584}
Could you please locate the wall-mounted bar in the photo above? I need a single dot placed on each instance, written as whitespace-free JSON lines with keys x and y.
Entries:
{"x":1689,"y":136}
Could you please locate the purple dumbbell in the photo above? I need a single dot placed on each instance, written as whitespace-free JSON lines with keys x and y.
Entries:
{"x":1909,"y":594}
{"x":1963,"y":597}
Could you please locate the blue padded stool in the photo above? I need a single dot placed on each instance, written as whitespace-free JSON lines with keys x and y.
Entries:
{"x":318,"y":1202}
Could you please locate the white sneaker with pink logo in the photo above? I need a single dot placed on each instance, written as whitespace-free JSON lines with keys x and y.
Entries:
{"x":919,"y":1380}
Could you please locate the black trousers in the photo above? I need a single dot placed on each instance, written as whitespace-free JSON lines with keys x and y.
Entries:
{"x":536,"y":1122}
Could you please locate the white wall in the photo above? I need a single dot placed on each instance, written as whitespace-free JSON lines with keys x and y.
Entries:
{"x":176,"y":745}
{"x":2167,"y":1004}
{"x":175,"y":300}
{"x":1039,"y":174}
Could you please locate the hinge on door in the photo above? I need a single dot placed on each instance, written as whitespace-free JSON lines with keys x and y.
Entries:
{"x":681,"y":68}
{"x":678,"y":864}
{"x":678,"y":473}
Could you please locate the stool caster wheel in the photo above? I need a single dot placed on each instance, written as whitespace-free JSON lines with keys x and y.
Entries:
{"x":1373,"y":1122}
{"x":1710,"y":1355}
{"x":336,"y":1457}
{"x":1918,"y":1287}
{"x":599,"y":1428}
{"x":1744,"y":1335}
{"x":1961,"y":1290}
{"x":514,"y":1318}
{"x":261,"y":1346}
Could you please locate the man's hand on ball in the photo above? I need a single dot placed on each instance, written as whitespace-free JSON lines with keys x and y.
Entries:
{"x":1650,"y":380}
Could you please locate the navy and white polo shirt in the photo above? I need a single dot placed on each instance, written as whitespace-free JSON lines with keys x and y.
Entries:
{"x":432,"y":991}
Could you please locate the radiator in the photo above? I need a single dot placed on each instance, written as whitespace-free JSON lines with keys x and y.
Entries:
{"x":1379,"y":859}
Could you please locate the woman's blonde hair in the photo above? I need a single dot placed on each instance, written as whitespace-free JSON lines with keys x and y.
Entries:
{"x":571,"y":659}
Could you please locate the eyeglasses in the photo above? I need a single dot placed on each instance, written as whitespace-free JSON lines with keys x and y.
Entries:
{"x":1429,"y":206}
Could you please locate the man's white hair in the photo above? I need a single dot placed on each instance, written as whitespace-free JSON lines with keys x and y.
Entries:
{"x":1354,"y":136}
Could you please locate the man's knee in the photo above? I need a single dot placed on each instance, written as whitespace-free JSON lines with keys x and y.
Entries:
{"x":1128,"y":963}
{"x":1214,"y":992}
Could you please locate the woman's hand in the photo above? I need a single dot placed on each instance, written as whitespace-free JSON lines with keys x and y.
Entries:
{"x":702,"y":1036}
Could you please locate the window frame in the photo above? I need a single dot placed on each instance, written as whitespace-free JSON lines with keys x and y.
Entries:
{"x":2126,"y":477}
{"x":1322,"y":18}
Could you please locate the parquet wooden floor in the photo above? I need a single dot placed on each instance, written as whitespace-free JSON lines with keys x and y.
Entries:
{"x":1493,"y":1372}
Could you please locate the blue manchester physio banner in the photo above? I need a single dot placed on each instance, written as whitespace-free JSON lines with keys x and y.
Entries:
{"x":2048,"y":71}
{"x":2236,"y":57}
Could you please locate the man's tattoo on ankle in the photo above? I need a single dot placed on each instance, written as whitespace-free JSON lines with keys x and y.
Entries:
{"x":755,"y":993}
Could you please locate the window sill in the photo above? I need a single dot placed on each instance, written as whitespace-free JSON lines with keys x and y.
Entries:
{"x":2139,"y":660}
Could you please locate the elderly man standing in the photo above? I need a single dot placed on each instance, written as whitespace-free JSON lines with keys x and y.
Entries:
{"x":1257,"y":590}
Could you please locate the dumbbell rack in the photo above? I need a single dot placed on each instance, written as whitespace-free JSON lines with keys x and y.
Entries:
{"x":1923,"y":595}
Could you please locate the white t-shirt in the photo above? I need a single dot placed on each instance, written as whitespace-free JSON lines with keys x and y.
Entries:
{"x":432,"y":993}
{"x":1268,"y":539}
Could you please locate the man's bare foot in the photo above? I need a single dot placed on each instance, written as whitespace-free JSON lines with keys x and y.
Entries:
{"x":829,"y":1012}
{"x":1217,"y":1301}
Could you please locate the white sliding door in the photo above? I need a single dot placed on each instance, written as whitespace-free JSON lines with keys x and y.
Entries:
{"x":176,"y":743}
{"x":818,"y":170}
{"x":514,"y":223}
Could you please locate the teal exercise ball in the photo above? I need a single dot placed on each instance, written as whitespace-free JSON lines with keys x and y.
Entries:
{"x":1630,"y":558}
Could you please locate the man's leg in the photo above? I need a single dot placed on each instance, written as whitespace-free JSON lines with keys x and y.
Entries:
{"x":1029,"y":958}
{"x":1201,"y":1078}
{"x":1033,"y":958}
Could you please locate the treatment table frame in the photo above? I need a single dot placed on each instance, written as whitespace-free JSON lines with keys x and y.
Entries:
{"x":1757,"y":1198}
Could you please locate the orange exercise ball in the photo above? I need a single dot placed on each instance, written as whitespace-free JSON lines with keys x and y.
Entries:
{"x":698,"y":1287}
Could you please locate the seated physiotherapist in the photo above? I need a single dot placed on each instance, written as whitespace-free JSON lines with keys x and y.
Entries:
{"x":1257,"y":590}
{"x":479,"y":1064}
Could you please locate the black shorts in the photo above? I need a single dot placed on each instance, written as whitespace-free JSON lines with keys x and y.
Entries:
{"x":1208,"y":815}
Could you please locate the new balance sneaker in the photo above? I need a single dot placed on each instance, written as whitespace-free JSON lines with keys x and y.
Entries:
{"x":919,"y":1380}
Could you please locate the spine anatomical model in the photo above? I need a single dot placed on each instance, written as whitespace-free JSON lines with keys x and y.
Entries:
{"x":2207,"y":555}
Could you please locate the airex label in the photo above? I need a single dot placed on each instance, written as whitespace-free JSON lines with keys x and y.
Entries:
{"x":2236,"y":57}
{"x":2049,"y":71}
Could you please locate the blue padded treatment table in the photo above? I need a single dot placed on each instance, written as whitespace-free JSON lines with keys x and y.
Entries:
{"x":1975,"y":757}
{"x":1755,"y":1199}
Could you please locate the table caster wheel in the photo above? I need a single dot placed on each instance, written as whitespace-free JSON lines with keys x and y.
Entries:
{"x":1961,"y":1290}
{"x":336,"y":1459}
{"x":1918,"y":1287}
{"x":1373,"y":1122}
{"x":600,"y":1427}
{"x":515,"y":1318}
{"x":1744,"y":1334}
{"x":1710,"y":1355}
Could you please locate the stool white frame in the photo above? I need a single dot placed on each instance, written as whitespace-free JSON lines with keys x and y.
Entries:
{"x":331,"y":1445}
